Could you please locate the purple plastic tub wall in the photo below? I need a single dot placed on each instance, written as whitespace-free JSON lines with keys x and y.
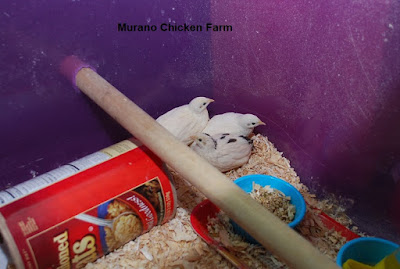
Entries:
{"x":324,"y":76}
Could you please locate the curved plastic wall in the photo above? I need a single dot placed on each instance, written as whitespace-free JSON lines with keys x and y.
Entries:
{"x":45,"y":122}
{"x":325,"y":77}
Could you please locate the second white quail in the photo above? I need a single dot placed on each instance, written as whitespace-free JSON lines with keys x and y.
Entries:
{"x":233,"y":123}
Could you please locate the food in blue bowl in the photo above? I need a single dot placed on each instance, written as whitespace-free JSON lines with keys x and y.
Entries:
{"x":277,"y":195}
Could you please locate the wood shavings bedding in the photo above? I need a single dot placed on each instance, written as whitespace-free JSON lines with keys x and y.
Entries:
{"x":175,"y":244}
{"x":254,"y":256}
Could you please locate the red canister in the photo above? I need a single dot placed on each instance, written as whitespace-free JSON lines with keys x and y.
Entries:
{"x":79,"y":212}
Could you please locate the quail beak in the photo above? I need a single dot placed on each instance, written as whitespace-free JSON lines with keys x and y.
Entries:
{"x":211,"y":100}
{"x":261,"y":123}
{"x":193,"y":137}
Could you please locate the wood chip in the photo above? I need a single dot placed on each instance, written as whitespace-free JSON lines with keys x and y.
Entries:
{"x":175,"y":245}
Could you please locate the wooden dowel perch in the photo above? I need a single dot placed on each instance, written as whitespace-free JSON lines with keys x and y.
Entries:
{"x":265,"y":227}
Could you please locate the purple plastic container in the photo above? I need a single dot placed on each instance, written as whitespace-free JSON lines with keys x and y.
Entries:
{"x":324,"y":76}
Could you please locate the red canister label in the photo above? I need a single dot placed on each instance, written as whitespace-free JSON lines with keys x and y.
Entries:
{"x":78,"y":219}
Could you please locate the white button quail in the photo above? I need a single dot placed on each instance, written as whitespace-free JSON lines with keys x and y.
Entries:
{"x":224,"y":151}
{"x":233,"y":123}
{"x":187,"y":120}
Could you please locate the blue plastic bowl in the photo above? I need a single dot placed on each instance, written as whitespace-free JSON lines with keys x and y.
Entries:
{"x":367,"y":250}
{"x":246,"y":184}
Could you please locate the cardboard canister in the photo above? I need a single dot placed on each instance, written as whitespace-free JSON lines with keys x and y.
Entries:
{"x":81,"y":211}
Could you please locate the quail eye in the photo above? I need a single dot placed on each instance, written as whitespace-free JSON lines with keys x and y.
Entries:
{"x":200,"y":140}
{"x":253,"y":123}
{"x":204,"y":103}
